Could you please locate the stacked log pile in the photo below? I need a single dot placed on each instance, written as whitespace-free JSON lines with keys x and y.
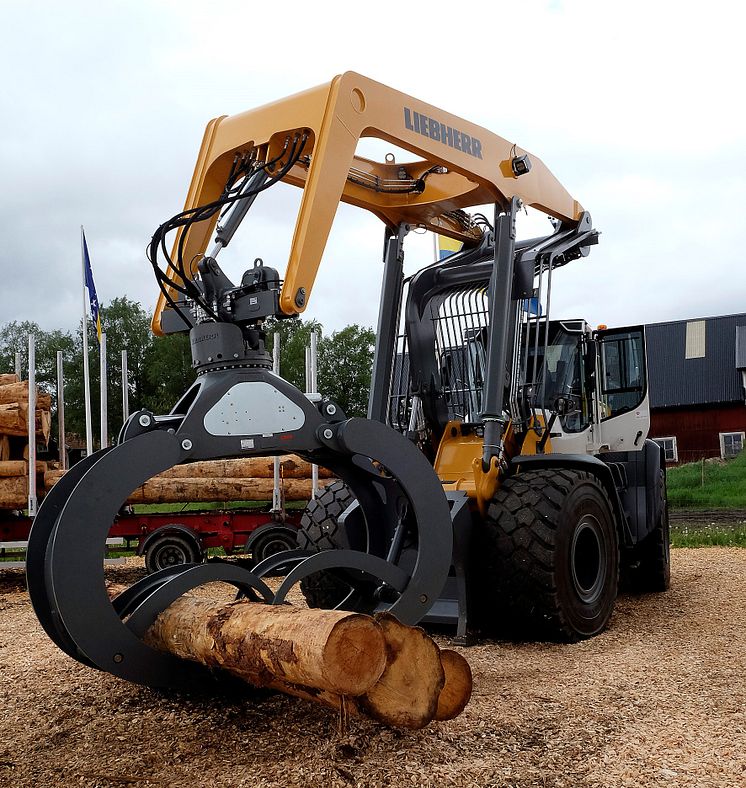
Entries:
{"x":244,"y":479}
{"x":369,"y":666}
{"x":14,"y":419}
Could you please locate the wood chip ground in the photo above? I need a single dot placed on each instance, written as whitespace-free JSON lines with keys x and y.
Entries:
{"x":657,"y":700}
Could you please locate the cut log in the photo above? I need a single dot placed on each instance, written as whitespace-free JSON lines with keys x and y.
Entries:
{"x":291,"y":467}
{"x":158,"y":490}
{"x":295,"y":650}
{"x":406,"y":695}
{"x":14,"y":420}
{"x":343,"y":653}
{"x":13,"y":492}
{"x":51,"y":478}
{"x":7,"y":378}
{"x":456,"y":691}
{"x":18,"y":392}
{"x":203,"y":490}
{"x":19,"y":468}
{"x":4,"y":448}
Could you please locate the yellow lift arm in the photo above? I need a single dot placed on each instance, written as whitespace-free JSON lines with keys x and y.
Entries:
{"x":461,"y":165}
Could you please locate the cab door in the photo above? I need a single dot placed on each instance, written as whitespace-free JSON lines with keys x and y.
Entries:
{"x":624,"y":408}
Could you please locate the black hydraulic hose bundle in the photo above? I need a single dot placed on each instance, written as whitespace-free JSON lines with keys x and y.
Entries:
{"x":238,"y":187}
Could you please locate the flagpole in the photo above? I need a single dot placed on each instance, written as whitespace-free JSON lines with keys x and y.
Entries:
{"x":86,"y":370}
{"x":125,"y":388}
{"x":32,"y":425}
{"x":61,"y":410}
{"x":104,"y":392}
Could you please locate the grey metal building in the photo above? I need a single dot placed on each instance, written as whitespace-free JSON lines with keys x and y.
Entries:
{"x":697,"y":377}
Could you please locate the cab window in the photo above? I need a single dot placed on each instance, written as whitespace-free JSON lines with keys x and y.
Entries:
{"x":623,"y":372}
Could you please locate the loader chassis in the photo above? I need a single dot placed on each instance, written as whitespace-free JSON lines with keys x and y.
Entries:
{"x":496,"y":479}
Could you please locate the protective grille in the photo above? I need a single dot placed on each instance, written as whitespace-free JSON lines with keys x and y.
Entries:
{"x":460,"y":320}
{"x":400,"y":401}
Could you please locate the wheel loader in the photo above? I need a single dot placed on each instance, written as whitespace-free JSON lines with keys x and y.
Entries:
{"x":503,"y":479}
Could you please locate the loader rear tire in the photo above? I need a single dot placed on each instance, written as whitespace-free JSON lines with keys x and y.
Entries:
{"x":319,"y":531}
{"x":547,"y":558}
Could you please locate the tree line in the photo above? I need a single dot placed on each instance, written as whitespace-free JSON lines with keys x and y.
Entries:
{"x":160,"y":368}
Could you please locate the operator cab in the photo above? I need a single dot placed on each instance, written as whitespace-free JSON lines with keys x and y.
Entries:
{"x":582,"y":382}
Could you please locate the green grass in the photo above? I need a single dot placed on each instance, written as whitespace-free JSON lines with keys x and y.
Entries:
{"x":699,"y":535}
{"x":165,"y":508}
{"x":708,"y":485}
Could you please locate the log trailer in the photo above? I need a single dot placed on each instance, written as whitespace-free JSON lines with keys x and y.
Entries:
{"x":168,"y":539}
{"x":503,"y":476}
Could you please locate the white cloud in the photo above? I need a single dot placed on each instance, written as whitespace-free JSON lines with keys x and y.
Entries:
{"x":635,"y":107}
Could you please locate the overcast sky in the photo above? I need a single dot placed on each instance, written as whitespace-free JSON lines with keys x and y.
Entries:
{"x":637,"y":107}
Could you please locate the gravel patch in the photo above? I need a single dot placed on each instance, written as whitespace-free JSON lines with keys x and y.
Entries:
{"x":656,"y":700}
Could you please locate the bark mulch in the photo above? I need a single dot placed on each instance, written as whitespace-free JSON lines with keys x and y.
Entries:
{"x":656,"y":700}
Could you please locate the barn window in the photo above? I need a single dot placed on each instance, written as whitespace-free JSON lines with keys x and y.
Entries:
{"x":695,"y":339}
{"x":670,"y":450}
{"x":731,"y":444}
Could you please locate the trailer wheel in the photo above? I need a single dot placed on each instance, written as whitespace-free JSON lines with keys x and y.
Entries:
{"x":171,"y":550}
{"x":547,"y":558}
{"x":650,"y":569}
{"x":272,"y":542}
{"x":318,"y":531}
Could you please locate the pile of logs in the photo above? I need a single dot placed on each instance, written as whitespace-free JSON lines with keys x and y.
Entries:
{"x":245,"y":479}
{"x":14,"y":453}
{"x":369,"y":666}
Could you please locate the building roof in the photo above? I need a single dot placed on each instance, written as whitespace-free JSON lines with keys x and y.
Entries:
{"x":696,"y":362}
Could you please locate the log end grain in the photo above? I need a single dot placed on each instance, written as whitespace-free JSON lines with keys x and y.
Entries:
{"x":355,"y":655}
{"x":406,"y":695}
{"x":456,"y":691}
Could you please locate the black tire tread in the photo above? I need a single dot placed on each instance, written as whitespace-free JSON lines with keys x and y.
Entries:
{"x":318,"y":531}
{"x":516,"y":573}
{"x":184,"y":543}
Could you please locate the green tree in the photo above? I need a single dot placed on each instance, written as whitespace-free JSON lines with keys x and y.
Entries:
{"x":295,"y":337}
{"x":73,"y":378}
{"x":344,"y":368}
{"x":127,"y":327}
{"x":14,"y":339}
{"x":168,"y":372}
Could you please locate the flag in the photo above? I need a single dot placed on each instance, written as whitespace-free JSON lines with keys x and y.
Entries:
{"x":533,"y":306}
{"x":92,"y":297}
{"x":447,"y":246}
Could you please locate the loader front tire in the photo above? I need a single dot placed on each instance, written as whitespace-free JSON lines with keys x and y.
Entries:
{"x":319,"y":531}
{"x":547,"y":558}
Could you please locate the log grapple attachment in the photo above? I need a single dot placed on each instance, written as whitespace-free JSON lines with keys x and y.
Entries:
{"x":239,"y":409}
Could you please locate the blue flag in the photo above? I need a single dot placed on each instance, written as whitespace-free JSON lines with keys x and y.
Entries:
{"x":92,"y":297}
{"x":447,"y":246}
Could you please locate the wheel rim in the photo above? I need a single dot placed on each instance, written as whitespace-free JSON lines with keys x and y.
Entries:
{"x":171,"y":555}
{"x":588,"y":559}
{"x":272,"y":547}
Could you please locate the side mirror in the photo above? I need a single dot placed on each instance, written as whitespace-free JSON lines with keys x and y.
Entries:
{"x":567,"y":405}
